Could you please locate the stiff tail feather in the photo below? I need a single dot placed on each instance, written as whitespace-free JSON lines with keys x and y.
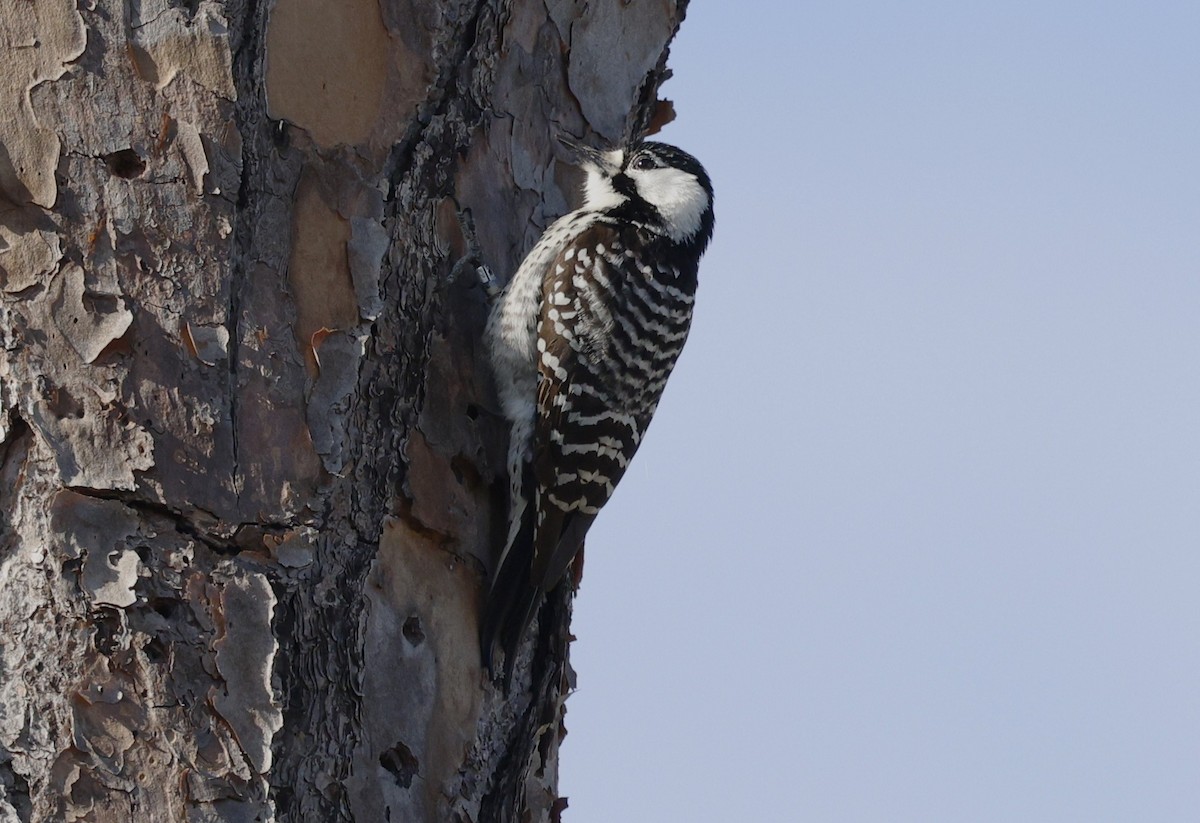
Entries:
{"x":533,"y":563}
{"x":512,"y":597}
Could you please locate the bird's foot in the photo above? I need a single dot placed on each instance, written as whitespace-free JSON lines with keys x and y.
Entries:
{"x":472,"y":260}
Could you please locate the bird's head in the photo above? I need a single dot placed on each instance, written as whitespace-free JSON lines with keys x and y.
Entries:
{"x":660,"y":186}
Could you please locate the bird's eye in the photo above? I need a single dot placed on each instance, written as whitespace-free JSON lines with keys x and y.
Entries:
{"x":643,"y":162}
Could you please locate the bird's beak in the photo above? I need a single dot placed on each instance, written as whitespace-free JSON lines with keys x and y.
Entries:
{"x":587,"y":156}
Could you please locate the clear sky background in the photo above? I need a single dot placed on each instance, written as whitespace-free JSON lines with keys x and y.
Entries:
{"x":915,"y":535}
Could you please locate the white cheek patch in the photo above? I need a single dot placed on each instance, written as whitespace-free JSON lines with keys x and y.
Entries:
{"x":678,"y":196}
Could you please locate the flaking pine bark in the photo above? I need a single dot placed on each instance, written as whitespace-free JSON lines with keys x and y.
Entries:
{"x":251,"y":462}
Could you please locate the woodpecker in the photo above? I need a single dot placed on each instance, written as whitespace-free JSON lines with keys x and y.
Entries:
{"x":581,"y":341}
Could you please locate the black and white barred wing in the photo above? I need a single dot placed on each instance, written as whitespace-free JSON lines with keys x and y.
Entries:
{"x":610,"y":330}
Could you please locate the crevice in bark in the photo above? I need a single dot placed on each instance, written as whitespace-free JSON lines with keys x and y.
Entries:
{"x":450,"y":74}
{"x":321,"y":692}
{"x":14,"y":788}
{"x":404,"y":510}
{"x":249,"y":113}
{"x":14,"y":451}
{"x":180,"y":521}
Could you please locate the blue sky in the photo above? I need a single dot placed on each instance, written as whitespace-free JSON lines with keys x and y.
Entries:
{"x":915,"y":534}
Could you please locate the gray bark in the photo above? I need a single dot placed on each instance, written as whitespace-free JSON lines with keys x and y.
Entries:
{"x":250,"y":461}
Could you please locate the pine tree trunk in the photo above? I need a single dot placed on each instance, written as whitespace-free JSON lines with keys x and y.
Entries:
{"x":250,"y":459}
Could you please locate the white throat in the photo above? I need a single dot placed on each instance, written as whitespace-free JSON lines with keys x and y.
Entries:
{"x":598,"y":192}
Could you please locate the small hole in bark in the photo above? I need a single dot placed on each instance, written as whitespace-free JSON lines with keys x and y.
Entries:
{"x":401,"y":762}
{"x":473,"y":411}
{"x":63,"y":406}
{"x":101,"y":303}
{"x":155,"y":650}
{"x":165,"y":607}
{"x":279,"y":134}
{"x":412,"y":630}
{"x":465,"y":472}
{"x":125,"y":164}
{"x":109,"y":632}
{"x":72,"y":566}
